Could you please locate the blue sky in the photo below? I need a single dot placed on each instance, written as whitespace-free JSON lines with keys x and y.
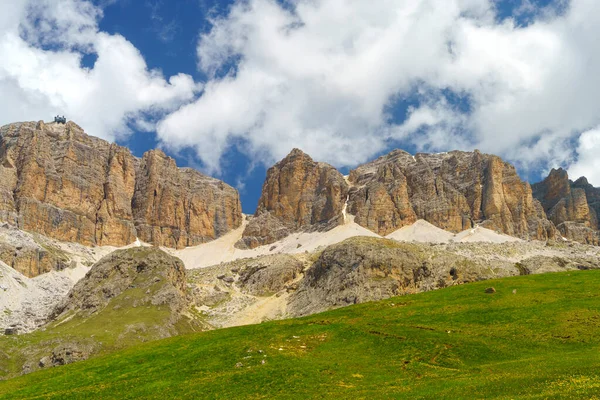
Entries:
{"x":166,"y":33}
{"x":230,"y":87}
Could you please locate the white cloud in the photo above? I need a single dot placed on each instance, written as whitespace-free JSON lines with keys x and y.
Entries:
{"x":320,"y":75}
{"x":42,"y":43}
{"x":588,"y":162}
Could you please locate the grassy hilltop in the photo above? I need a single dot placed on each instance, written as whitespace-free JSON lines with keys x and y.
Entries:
{"x":537,"y":337}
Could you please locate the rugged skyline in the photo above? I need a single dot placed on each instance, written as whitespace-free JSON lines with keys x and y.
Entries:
{"x":230,"y":87}
{"x":58,"y":181}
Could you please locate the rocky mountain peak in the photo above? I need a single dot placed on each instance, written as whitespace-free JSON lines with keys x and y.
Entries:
{"x":453,"y":191}
{"x":582,"y":181}
{"x":567,"y":206}
{"x":58,"y":181}
{"x":298,"y":194}
{"x":296,"y":152}
{"x":558,"y":173}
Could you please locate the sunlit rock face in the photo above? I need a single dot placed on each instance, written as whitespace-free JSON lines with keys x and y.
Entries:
{"x":298,"y":194}
{"x":572,"y":206}
{"x":60,"y":182}
{"x":453,"y":191}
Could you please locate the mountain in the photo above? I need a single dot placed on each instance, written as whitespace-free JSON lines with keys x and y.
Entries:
{"x":454,"y":191}
{"x":572,"y":206}
{"x":298,"y":194}
{"x":58,"y":181}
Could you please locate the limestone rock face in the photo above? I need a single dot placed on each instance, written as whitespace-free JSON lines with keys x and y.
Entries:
{"x":298,"y":194}
{"x":58,"y":181}
{"x":263,"y":229}
{"x":453,"y":191}
{"x":592,"y":195}
{"x":566,"y":204}
{"x":35,"y":260}
{"x":181,"y":207}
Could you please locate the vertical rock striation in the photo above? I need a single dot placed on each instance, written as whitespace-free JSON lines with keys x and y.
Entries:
{"x":58,"y":181}
{"x":453,"y":191}
{"x":181,"y":207}
{"x":567,"y":205}
{"x":298,"y":194}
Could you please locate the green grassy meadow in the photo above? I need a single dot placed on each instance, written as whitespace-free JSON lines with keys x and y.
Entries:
{"x":540,"y":342}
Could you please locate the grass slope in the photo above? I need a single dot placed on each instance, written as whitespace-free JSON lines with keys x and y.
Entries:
{"x":129,"y":319}
{"x":541,"y":342}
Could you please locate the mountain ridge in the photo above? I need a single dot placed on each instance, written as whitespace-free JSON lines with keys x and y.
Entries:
{"x":58,"y":181}
{"x":49,"y":184}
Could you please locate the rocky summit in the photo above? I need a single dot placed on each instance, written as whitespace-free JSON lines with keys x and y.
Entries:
{"x":454,"y":191}
{"x":58,"y":181}
{"x":572,"y":206}
{"x":298,"y":194}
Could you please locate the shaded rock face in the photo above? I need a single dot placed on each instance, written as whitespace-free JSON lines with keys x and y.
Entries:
{"x":298,"y":194}
{"x":592,"y":195}
{"x":60,"y":182}
{"x":566,"y":205}
{"x":151,"y":276}
{"x":453,"y":191}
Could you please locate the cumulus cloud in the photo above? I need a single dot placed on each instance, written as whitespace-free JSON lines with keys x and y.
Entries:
{"x":326,"y":76}
{"x":588,"y":163}
{"x":41,"y":72}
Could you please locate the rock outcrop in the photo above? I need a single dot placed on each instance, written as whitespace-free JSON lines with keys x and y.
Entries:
{"x":298,"y":194}
{"x":364,"y":269}
{"x":566,"y":204}
{"x":31,"y":255}
{"x":453,"y":191}
{"x":150,"y":277}
{"x":128,"y":297}
{"x":268,"y":275}
{"x":58,"y":181}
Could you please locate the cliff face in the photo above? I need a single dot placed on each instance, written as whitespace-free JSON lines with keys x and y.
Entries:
{"x":60,"y":182}
{"x":592,"y":195}
{"x":453,"y":191}
{"x":181,"y":207}
{"x":298,"y":194}
{"x":567,"y":205}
